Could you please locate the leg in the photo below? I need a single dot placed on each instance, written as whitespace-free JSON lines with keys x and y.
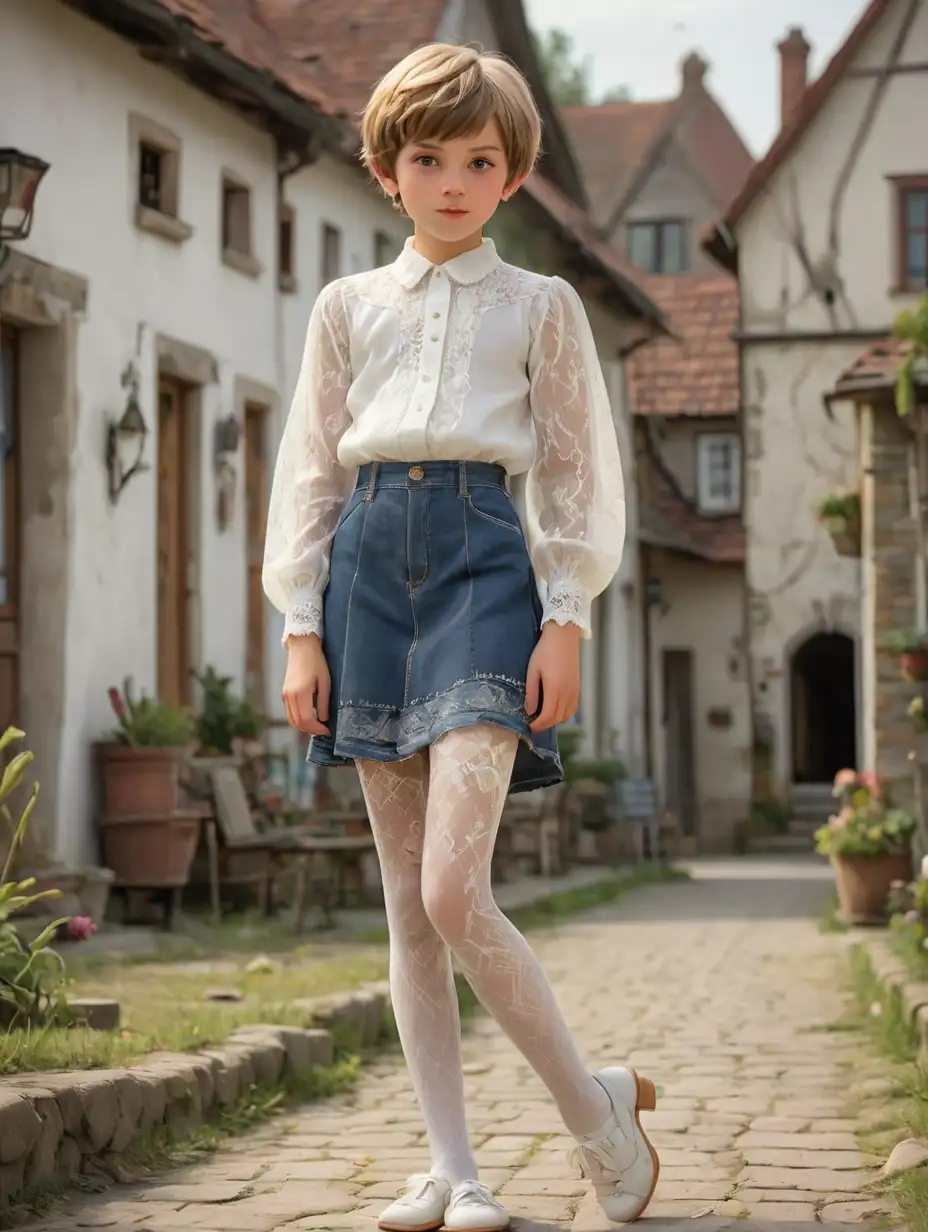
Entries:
{"x":421,"y":984}
{"x":469,"y":779}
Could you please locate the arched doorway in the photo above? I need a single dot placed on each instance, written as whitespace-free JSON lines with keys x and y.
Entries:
{"x":823,"y":711}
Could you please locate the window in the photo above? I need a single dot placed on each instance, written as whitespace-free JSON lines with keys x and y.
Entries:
{"x":912,"y":232}
{"x":385,"y":250}
{"x":659,"y":247}
{"x":331,"y":253}
{"x":236,"y":226}
{"x":286,"y":264}
{"x":155,"y":154}
{"x":719,"y":472}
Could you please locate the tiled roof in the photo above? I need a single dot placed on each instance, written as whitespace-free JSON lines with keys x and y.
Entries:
{"x":666,"y":520}
{"x":612,"y":142}
{"x":615,"y":143}
{"x":694,"y":373}
{"x":877,"y":367}
{"x":816,"y":96}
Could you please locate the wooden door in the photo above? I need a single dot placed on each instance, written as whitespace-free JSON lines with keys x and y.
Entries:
{"x":10,"y":529}
{"x":679,"y":738}
{"x":173,"y":547}
{"x":256,"y":498}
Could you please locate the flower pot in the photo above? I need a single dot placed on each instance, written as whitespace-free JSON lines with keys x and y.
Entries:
{"x":93,"y":889}
{"x":863,"y":883}
{"x":914,"y":665}
{"x":140,"y":781}
{"x":845,"y":534}
{"x":150,"y":852}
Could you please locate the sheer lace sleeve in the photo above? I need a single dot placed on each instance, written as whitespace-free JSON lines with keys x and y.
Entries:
{"x":575,"y":494}
{"x":310,"y":486}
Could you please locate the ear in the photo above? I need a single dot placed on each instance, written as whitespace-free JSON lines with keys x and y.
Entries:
{"x":389,"y":186}
{"x":511,"y":189}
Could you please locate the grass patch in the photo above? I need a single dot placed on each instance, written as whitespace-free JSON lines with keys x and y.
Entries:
{"x":831,"y":920}
{"x":903,"y":1111}
{"x":909,"y":946}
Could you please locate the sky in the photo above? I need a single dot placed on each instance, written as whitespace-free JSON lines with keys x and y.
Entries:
{"x":640,"y":43}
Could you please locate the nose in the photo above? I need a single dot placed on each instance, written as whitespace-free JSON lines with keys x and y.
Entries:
{"x":452,"y":187}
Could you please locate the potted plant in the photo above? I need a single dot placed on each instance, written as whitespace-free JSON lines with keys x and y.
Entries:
{"x":869,"y":845}
{"x":918,"y":716}
{"x":140,"y":764}
{"x":910,"y":647}
{"x":839,"y":513}
{"x":225,"y":726}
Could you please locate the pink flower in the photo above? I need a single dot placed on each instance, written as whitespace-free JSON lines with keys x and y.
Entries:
{"x":838,"y":821}
{"x":845,"y":778}
{"x":871,"y":781}
{"x":81,"y":928}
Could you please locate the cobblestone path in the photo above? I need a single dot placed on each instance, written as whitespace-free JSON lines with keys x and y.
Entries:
{"x":721,"y":990}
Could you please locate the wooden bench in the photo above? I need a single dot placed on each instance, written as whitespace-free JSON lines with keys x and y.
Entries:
{"x":318,"y":859}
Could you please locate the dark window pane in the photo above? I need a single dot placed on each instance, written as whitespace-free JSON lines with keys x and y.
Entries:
{"x":674,"y":259}
{"x":916,"y":210}
{"x":916,"y":262}
{"x":641,"y":246}
{"x":150,"y":176}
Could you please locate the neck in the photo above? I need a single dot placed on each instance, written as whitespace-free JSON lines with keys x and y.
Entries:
{"x":438,"y":251}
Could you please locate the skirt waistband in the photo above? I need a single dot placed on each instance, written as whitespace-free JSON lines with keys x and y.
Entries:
{"x":460,"y":475}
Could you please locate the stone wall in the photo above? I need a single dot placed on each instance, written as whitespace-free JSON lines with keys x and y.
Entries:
{"x":894,"y":605}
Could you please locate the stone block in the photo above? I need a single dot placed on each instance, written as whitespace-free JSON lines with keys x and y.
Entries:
{"x":20,"y":1127}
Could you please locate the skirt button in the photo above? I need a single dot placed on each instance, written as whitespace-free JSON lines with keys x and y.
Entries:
{"x":416,"y":472}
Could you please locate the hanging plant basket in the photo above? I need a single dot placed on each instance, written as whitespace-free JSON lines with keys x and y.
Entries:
{"x":910,"y":647}
{"x":845,"y":533}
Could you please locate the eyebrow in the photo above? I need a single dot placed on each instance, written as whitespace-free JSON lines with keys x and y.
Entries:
{"x":474,"y":149}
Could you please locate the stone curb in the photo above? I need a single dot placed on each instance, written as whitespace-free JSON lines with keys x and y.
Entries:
{"x":54,"y":1126}
{"x":893,"y":973}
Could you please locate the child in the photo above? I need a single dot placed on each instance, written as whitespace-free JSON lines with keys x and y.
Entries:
{"x":419,"y":647}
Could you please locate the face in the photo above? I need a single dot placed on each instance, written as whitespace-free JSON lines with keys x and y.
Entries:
{"x":450,"y":189}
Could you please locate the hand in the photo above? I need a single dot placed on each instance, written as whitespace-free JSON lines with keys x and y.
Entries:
{"x":307,"y":686}
{"x":554,"y":675}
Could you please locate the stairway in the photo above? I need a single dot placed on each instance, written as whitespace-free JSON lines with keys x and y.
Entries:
{"x":812,"y":804}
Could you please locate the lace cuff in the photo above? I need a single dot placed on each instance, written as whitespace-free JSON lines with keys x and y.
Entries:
{"x":304,"y":616}
{"x":567,"y":605}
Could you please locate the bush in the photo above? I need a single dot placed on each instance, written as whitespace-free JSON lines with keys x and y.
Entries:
{"x":224,"y":717}
{"x":865,"y":825}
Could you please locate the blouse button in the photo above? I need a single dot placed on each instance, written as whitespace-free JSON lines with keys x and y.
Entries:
{"x":436,"y":316}
{"x":434,"y":338}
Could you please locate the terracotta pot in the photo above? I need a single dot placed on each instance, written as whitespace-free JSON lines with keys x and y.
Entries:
{"x":150,"y":852}
{"x":914,"y":665}
{"x":863,"y":883}
{"x":140,"y":781}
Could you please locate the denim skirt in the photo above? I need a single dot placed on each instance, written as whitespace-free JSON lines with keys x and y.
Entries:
{"x":430,"y":616}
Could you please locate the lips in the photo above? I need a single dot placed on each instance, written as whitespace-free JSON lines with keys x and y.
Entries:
{"x":453,"y":213}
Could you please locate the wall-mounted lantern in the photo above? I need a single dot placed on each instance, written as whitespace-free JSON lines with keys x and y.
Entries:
{"x":227,"y":435}
{"x":20,"y":177}
{"x":125,"y":438}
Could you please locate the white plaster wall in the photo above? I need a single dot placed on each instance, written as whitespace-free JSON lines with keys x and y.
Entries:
{"x":795,"y":455}
{"x":797,"y":204}
{"x":703,"y":612}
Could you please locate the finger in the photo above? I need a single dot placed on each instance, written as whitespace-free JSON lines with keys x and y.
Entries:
{"x":303,"y":706}
{"x":291,"y":717}
{"x":531,"y":690}
{"x":323,"y":691}
{"x":548,"y":715}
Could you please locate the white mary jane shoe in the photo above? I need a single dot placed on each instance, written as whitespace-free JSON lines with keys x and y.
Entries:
{"x":472,"y":1208}
{"x":619,"y":1160}
{"x":419,"y":1208}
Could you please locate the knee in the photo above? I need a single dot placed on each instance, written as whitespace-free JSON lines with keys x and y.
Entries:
{"x":449,"y":904}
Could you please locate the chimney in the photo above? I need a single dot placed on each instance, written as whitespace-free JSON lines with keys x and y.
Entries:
{"x":794,"y":72}
{"x":692,"y":72}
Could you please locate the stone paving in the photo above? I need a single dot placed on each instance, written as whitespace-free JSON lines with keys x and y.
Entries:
{"x":721,"y":990}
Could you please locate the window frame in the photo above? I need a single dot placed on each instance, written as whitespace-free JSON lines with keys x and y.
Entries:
{"x":238,"y":258}
{"x":902,"y":186}
{"x":164,"y":221}
{"x":327,"y":231}
{"x":706,"y":502}
{"x":286,"y":271}
{"x":657,"y":227}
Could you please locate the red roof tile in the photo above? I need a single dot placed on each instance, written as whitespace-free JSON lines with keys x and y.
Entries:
{"x":816,"y":96}
{"x":696,"y":372}
{"x":615,"y":143}
{"x":667,"y":520}
{"x":877,"y":367}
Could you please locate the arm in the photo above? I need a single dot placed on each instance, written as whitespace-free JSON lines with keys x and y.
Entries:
{"x":310,"y":485}
{"x":575,"y":493}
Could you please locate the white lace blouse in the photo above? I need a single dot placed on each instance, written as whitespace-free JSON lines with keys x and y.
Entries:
{"x":473,"y":360}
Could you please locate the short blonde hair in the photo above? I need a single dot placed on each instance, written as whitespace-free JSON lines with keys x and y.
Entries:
{"x":440,"y":92}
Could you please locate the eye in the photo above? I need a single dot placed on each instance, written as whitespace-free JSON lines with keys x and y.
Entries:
{"x":425,"y":160}
{"x":482,"y":164}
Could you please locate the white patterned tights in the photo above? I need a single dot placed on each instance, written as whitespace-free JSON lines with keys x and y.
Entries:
{"x":435,"y":817}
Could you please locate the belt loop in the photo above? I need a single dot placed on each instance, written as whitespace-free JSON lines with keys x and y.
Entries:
{"x":369,"y":494}
{"x":462,"y":480}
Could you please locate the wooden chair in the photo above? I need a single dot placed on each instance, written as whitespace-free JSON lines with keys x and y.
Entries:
{"x":248,"y":853}
{"x":638,"y":806}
